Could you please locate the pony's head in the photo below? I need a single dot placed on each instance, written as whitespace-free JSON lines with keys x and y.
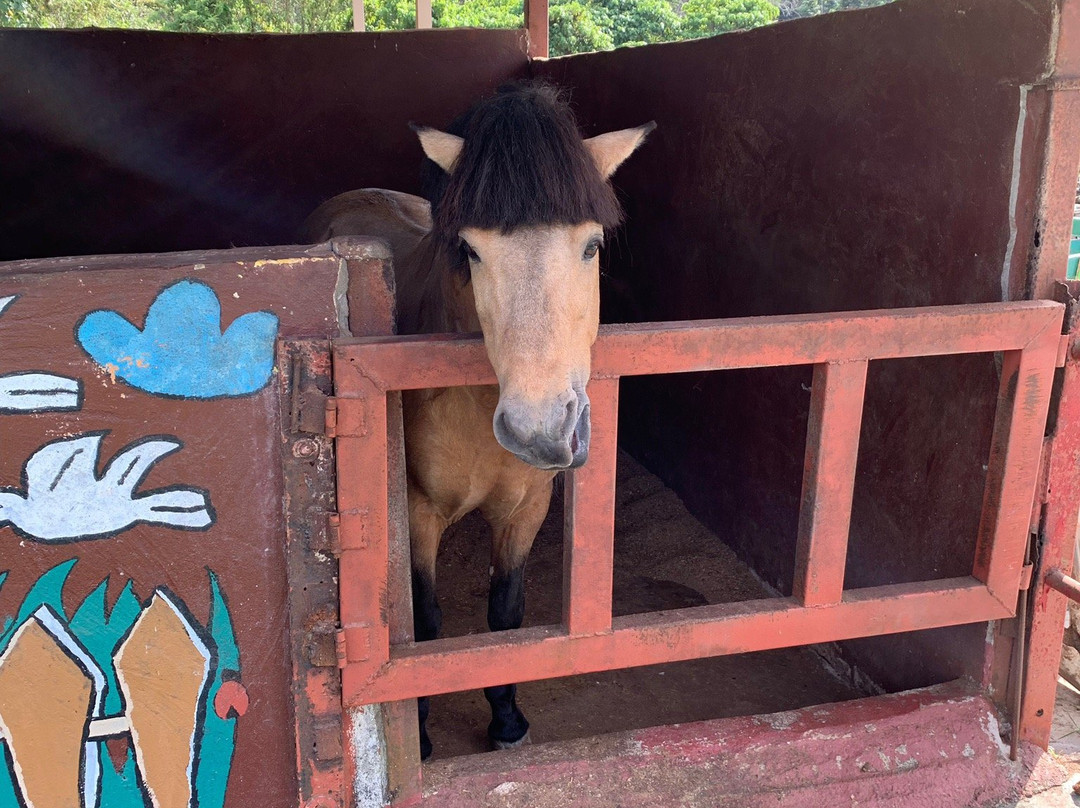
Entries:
{"x":525,"y":203}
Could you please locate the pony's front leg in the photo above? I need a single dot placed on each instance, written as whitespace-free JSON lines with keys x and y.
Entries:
{"x":426,"y":527}
{"x":512,"y":539}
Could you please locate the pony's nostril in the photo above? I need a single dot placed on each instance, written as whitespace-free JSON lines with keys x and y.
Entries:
{"x":506,"y":432}
{"x":570,"y":420}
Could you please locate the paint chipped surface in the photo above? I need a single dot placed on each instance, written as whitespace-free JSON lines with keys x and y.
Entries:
{"x":279,"y":262}
{"x":369,"y":756}
{"x":928,"y":749}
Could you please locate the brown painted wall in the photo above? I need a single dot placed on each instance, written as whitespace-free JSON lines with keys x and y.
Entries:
{"x":853,"y":161}
{"x":133,"y":141}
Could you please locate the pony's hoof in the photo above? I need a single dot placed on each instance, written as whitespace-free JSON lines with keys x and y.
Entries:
{"x":524,"y":740}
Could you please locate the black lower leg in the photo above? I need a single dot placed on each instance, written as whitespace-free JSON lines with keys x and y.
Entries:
{"x":427,"y":621}
{"x":506,"y":610}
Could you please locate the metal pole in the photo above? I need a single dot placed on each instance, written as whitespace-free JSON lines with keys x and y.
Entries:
{"x":1059,"y":581}
{"x":423,"y":13}
{"x":536,"y":23}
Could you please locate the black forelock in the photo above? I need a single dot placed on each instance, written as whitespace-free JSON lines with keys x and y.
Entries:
{"x":523,"y":164}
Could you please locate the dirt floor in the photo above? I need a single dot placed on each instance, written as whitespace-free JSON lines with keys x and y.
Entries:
{"x":664,"y":559}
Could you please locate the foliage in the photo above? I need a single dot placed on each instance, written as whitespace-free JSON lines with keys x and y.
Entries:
{"x":478,"y":13}
{"x":809,"y":8}
{"x":575,"y":25}
{"x":709,"y":17}
{"x":638,"y":22}
{"x":77,"y":13}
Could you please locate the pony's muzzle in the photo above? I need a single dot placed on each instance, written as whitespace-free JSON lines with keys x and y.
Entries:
{"x":548,"y":435}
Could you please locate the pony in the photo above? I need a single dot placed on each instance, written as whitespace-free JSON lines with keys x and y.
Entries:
{"x":508,"y":244}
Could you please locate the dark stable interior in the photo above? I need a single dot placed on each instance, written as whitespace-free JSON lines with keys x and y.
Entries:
{"x":858,"y":160}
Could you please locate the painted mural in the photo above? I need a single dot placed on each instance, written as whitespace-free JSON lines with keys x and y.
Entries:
{"x":63,"y":498}
{"x":126,"y":708}
{"x":35,"y":391}
{"x":181,"y":350}
{"x":133,"y":704}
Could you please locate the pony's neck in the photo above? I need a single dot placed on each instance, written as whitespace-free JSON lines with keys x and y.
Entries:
{"x":434,"y":298}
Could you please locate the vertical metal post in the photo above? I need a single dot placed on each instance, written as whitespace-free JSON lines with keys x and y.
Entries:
{"x":589,"y":522}
{"x":1015,"y":454}
{"x":536,"y":23}
{"x":423,"y":13}
{"x":1056,"y":542}
{"x":832,"y":447}
{"x":358,"y":15}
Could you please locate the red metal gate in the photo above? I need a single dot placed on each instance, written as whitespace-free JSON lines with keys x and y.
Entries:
{"x":589,"y":639}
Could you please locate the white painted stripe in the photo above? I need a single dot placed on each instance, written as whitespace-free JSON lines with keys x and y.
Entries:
{"x":109,"y":727}
{"x":1014,"y":192}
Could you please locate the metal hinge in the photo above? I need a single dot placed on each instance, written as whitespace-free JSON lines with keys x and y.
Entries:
{"x":333,"y":530}
{"x":330,"y":418}
{"x":1025,"y":577}
{"x":342,"y":653}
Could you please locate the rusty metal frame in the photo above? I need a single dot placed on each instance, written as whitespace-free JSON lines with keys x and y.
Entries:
{"x":375,"y":669}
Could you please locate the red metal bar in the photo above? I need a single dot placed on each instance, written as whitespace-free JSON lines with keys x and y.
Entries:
{"x":1057,"y":540}
{"x":407,"y":363}
{"x":1013,"y":469}
{"x":589,"y":521}
{"x":364,"y":529}
{"x":459,"y":663}
{"x":376,"y":672}
{"x":1060,"y":582}
{"x":832,"y":447}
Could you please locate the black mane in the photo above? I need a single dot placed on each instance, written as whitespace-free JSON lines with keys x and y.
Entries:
{"x":523,"y":164}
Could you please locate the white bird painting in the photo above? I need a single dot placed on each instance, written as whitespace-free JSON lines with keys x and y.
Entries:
{"x":34,"y":391}
{"x":64,"y":500}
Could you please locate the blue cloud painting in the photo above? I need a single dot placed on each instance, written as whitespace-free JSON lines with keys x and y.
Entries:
{"x":181,"y":351}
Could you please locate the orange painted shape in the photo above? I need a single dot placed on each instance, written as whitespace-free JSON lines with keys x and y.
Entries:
{"x":231,"y":701}
{"x":162,"y":668}
{"x":45,"y":704}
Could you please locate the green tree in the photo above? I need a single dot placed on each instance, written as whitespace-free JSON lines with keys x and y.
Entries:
{"x":638,"y":22}
{"x":709,"y":17}
{"x":78,"y":13}
{"x":15,"y":14}
{"x":477,"y":13}
{"x":391,"y":15}
{"x":576,"y":27}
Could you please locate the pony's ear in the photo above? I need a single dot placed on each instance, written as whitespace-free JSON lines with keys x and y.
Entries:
{"x":442,"y":148}
{"x":611,"y":148}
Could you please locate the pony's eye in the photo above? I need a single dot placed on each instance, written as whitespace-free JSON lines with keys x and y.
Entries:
{"x":592,"y":250}
{"x":469,"y":251}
